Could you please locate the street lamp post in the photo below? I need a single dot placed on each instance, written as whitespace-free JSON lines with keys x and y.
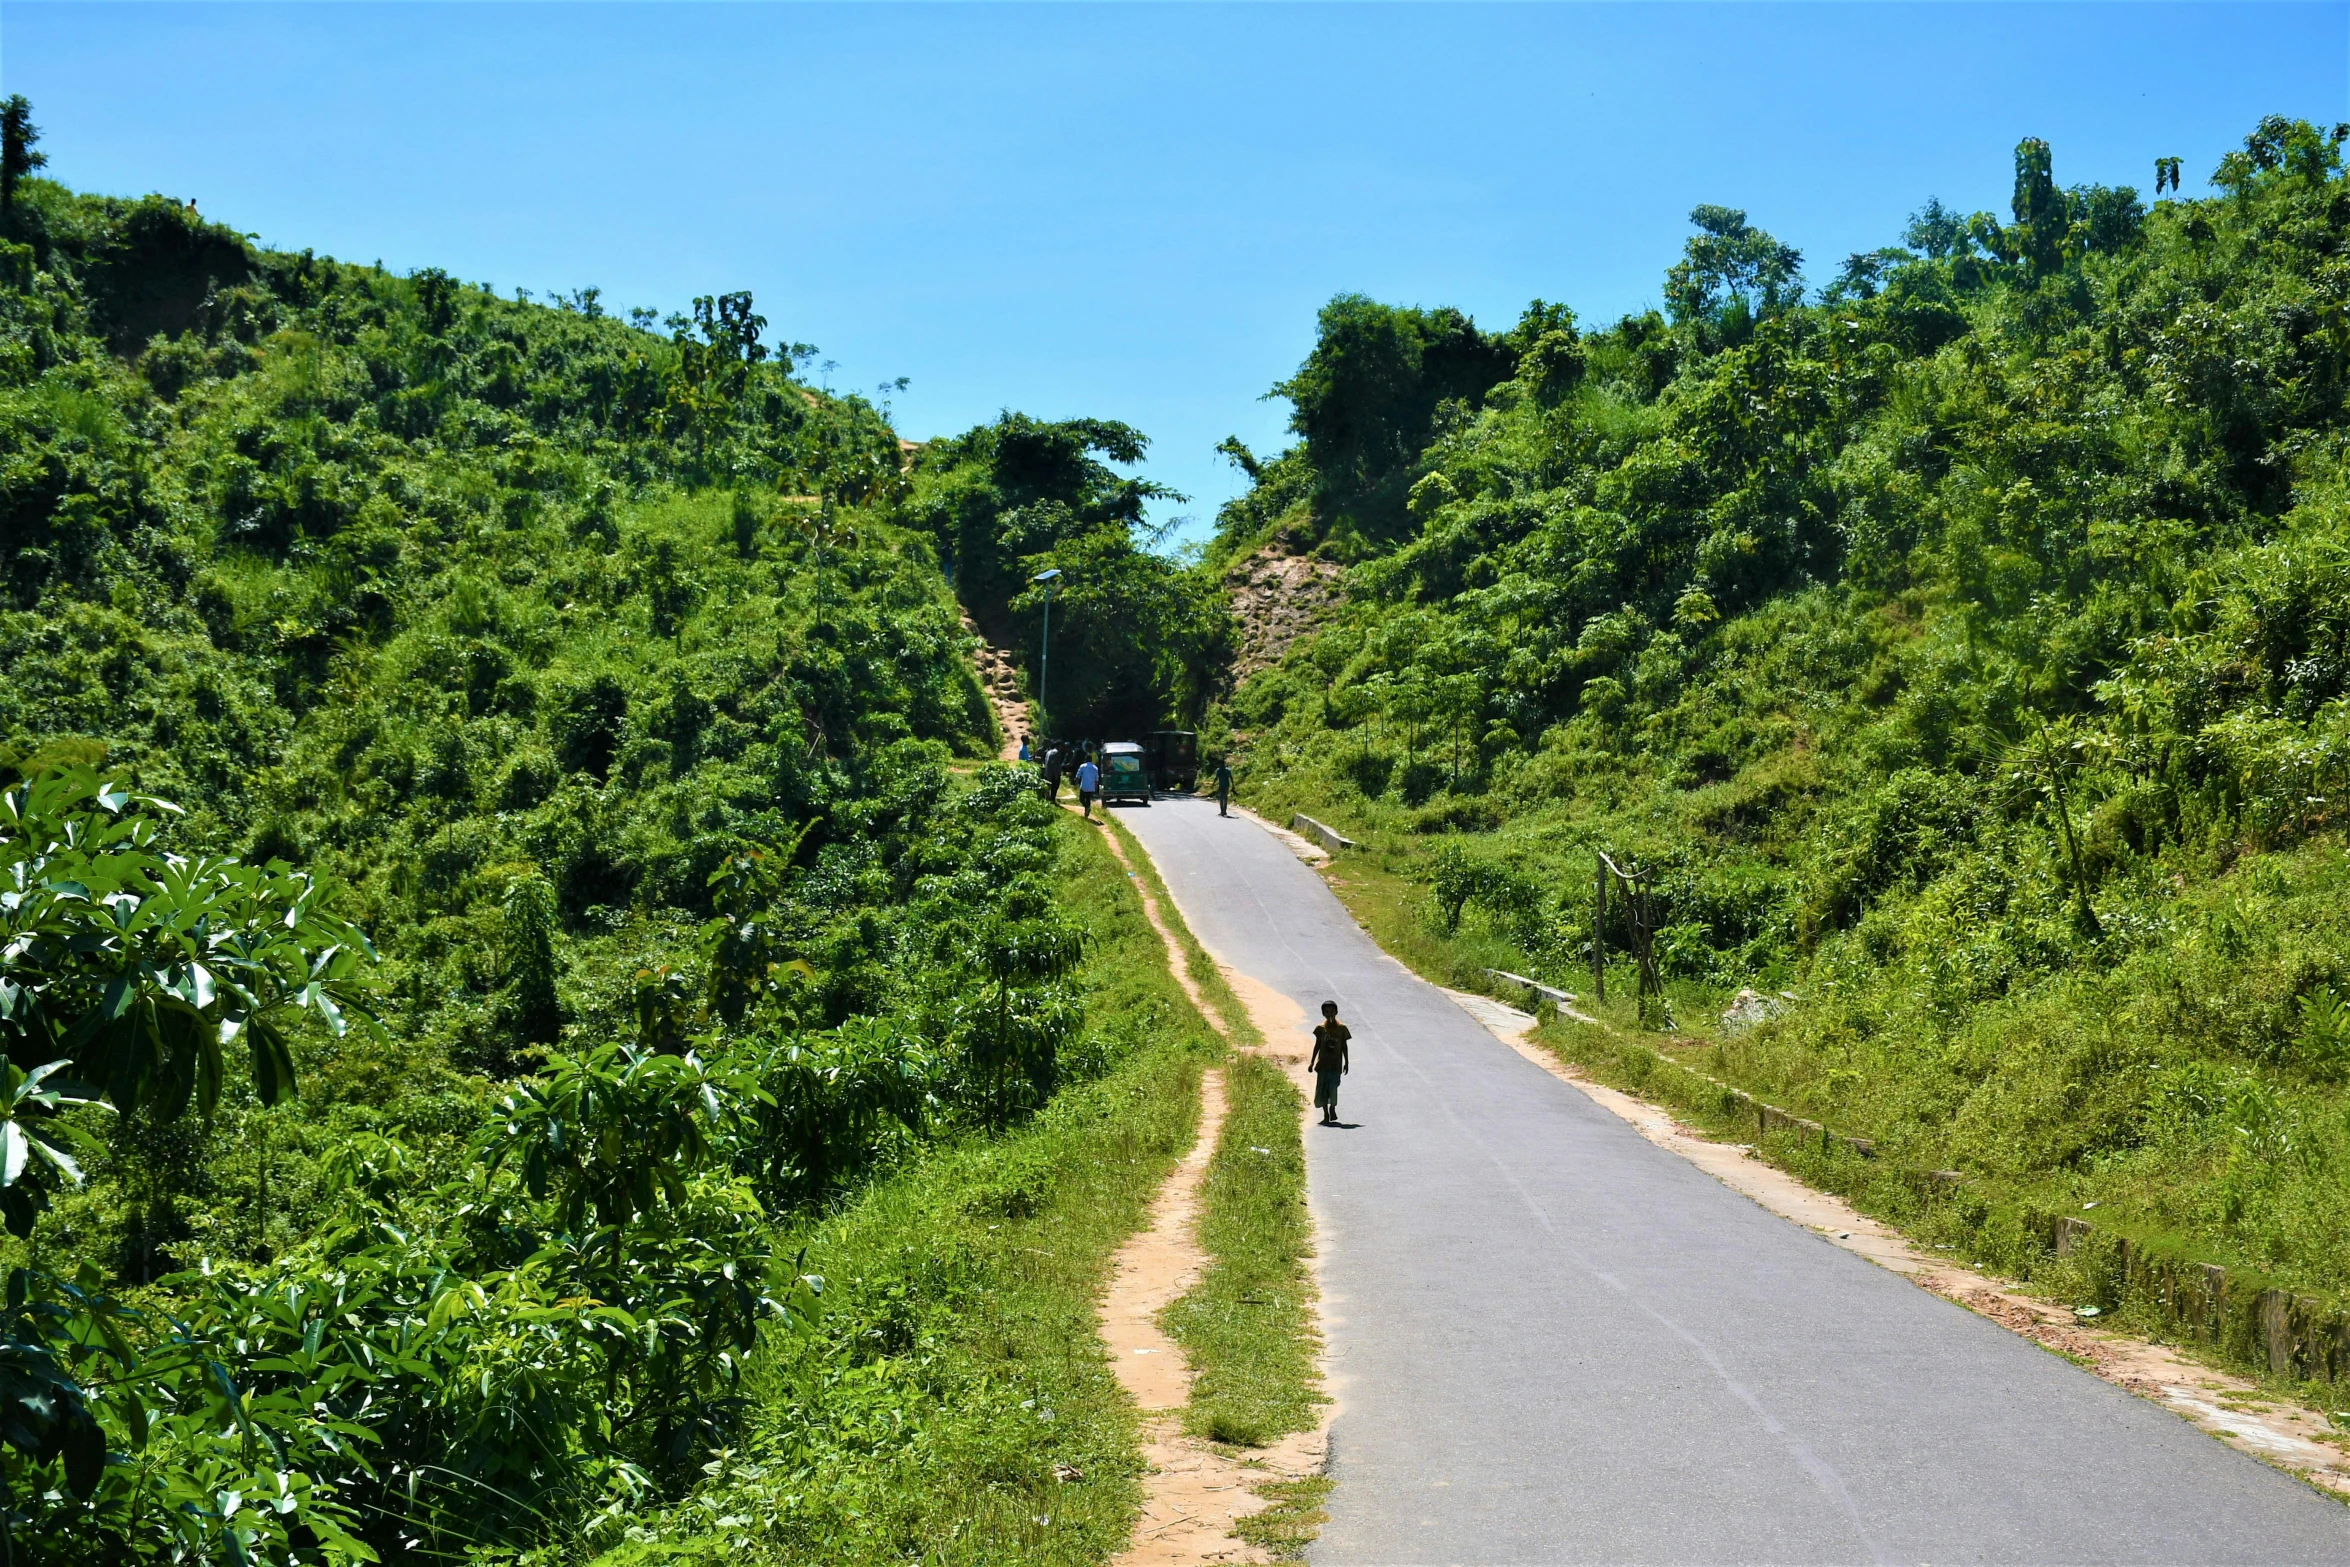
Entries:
{"x":1048,"y":580}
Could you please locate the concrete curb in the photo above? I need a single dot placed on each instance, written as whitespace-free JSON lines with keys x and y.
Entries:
{"x":1330,"y":837}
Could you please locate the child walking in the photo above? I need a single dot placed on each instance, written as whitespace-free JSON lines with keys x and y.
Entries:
{"x":1328,"y":1062}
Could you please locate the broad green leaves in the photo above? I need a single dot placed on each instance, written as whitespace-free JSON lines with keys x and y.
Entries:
{"x":143,"y":967}
{"x":610,"y":1134}
{"x":135,"y":971}
{"x":33,"y":1134}
{"x":163,"y":1451}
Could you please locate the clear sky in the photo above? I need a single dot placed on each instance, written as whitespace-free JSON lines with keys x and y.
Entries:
{"x":1124,"y":211}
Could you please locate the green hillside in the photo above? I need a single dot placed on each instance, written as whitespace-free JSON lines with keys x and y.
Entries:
{"x":1961,"y":645}
{"x":494,"y":835}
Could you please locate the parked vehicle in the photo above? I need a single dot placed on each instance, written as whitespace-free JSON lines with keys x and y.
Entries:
{"x":1123,"y":776}
{"x":1171,"y":758}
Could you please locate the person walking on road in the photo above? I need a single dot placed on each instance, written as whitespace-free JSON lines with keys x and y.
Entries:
{"x":1089,"y":778}
{"x":1328,"y":1062}
{"x":1223,"y":789}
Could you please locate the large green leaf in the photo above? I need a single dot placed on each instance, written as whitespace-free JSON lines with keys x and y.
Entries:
{"x":273,"y":1062}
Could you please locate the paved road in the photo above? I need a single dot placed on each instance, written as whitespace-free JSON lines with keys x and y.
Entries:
{"x":1555,"y":1342}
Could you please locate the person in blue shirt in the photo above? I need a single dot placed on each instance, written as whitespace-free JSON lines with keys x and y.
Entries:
{"x":1089,"y":779}
{"x":1024,"y":748}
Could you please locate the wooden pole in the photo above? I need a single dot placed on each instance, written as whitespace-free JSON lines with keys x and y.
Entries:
{"x":1652,"y":986}
{"x":1599,"y":927}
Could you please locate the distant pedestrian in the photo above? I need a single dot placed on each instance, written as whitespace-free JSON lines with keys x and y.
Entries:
{"x":1328,"y":1062}
{"x":1052,"y":774}
{"x":1223,"y":790}
{"x":1024,"y":748}
{"x":1089,"y":779}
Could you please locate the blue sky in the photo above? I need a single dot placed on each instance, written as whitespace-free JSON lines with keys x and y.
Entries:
{"x":1124,"y":211}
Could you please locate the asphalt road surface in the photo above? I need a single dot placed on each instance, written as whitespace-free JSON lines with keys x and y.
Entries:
{"x":1552,"y":1341}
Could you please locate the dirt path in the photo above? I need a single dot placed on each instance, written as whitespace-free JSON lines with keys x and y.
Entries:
{"x":1000,"y":679}
{"x":2229,"y":1407}
{"x":1194,"y":1489}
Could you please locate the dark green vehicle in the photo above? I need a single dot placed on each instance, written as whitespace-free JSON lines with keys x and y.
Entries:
{"x":1171,"y":757}
{"x":1123,"y":775}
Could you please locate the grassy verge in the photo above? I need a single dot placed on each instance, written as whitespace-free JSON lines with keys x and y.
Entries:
{"x":954,"y":1404}
{"x":1247,"y":1326}
{"x":1382,"y":882}
{"x":2004,"y":1225}
{"x":1238,"y":1026}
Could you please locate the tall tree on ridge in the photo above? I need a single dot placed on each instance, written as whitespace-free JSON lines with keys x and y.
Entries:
{"x":17,"y":158}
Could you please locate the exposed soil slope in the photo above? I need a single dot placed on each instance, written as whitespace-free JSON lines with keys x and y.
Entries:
{"x":1277,"y":598}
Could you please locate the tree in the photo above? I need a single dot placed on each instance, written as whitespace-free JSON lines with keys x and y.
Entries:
{"x":1235,"y":451}
{"x":1732,"y":269}
{"x":17,"y":157}
{"x":607,"y":1135}
{"x":728,"y":325}
{"x":139,"y":967}
{"x":1937,"y":231}
{"x":1863,"y":272}
{"x":1366,"y":402}
{"x":536,"y":1014}
{"x":1136,"y":635}
{"x":2041,"y":211}
{"x":746,"y":940}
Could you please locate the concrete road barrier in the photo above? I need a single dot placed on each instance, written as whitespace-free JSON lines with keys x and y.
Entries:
{"x":1329,"y":836}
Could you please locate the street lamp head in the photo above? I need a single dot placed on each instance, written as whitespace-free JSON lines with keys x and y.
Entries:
{"x":1052,"y":574}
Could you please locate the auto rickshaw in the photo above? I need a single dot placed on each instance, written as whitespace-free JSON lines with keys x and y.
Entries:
{"x":1123,"y":777}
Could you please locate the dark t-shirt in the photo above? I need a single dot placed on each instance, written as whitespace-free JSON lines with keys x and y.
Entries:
{"x":1330,"y":1039}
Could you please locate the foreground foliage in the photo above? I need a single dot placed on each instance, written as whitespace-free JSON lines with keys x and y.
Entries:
{"x":1960,"y":647}
{"x":493,"y":1337}
{"x":954,"y":1404}
{"x":567,"y":894}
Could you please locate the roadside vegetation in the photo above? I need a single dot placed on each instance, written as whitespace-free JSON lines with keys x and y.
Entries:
{"x":1250,"y":1328}
{"x":1959,"y":647}
{"x":528,"y":1032}
{"x":1231,"y":1018}
{"x":952,"y":1402}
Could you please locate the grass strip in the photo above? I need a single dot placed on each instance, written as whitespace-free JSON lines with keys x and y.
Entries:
{"x":1291,"y":1523}
{"x":955,"y":1404}
{"x":1247,"y":1327}
{"x":1238,"y":1026}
